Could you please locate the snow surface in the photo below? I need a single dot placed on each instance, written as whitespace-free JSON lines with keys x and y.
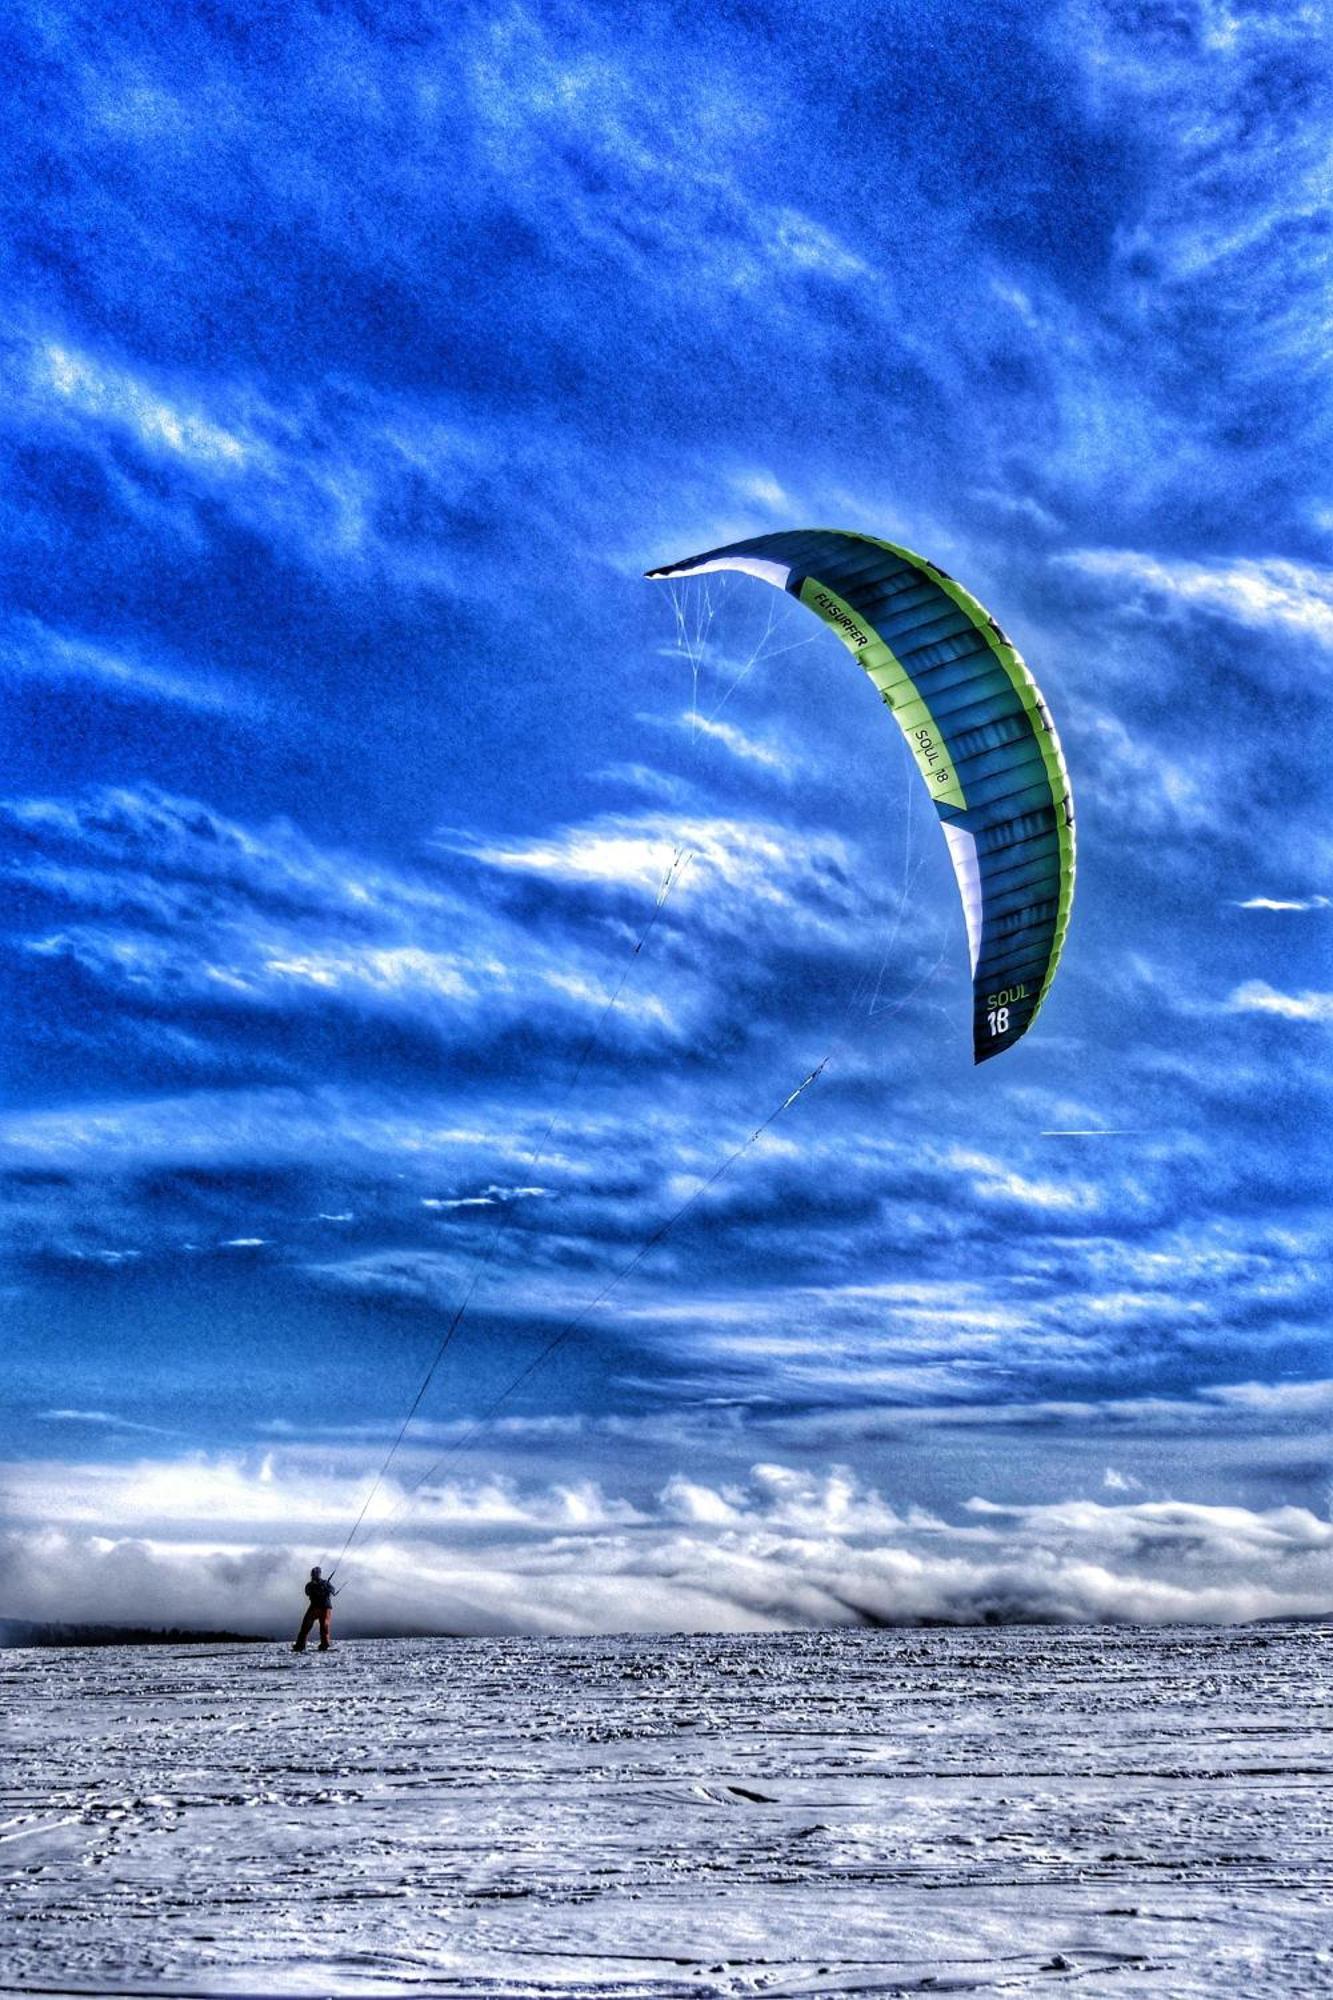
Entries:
{"x":842,"y":1812}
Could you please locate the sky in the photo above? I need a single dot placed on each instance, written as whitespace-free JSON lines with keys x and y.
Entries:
{"x":412,"y":915}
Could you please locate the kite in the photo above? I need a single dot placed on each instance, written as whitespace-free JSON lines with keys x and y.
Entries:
{"x":979,"y":730}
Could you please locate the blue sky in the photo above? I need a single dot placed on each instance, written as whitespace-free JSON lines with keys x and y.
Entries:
{"x":352,"y":371}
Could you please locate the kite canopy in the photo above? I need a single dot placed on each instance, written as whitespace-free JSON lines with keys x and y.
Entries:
{"x":981,"y":735}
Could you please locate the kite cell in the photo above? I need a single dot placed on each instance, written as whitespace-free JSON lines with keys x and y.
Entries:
{"x":981,"y":735}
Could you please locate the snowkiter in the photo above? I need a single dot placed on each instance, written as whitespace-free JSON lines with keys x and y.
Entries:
{"x":321,"y":1594}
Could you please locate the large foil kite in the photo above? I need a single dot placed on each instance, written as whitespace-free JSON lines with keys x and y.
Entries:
{"x":981,"y":735}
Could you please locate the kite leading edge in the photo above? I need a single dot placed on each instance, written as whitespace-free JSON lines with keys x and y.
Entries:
{"x":979,"y":731}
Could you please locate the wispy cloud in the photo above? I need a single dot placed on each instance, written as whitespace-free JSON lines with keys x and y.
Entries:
{"x":1256,"y":996}
{"x":1284,"y":596}
{"x":993,"y":1181}
{"x":1291,"y":1398}
{"x":342,"y":478}
{"x":287,"y":925}
{"x":154,"y":834}
{"x":266,"y":1492}
{"x":549,"y":109}
{"x":118,"y":398}
{"x":740,"y":871}
{"x":1144,"y":787}
{"x":33,"y":649}
{"x":1294,"y":903}
{"x":750,"y":749}
{"x":100,"y":1420}
{"x":491,"y":1197}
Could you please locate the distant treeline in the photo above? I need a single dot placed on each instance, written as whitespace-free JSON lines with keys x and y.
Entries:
{"x":21,"y":1632}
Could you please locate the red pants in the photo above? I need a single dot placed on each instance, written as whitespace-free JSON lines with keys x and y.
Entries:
{"x":324,"y":1614}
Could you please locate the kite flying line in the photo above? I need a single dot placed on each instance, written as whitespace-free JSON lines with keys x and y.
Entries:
{"x":613,"y":1284}
{"x":983,"y":741}
{"x":572,"y":1326}
{"x":694,"y":622}
{"x":486,"y":1252}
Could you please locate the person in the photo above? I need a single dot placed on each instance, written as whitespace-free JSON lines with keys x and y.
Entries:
{"x":321,"y":1594}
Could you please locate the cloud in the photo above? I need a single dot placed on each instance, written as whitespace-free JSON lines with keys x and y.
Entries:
{"x":1283,"y":596}
{"x":987,"y":1275}
{"x":282,"y":923}
{"x":1221,"y":254}
{"x":209,"y":1497}
{"x":491,"y":1197}
{"x":1277,"y":1398}
{"x":341,"y":477}
{"x":737,"y":868}
{"x":166,"y":904}
{"x":35,"y":650}
{"x":115,"y":397}
{"x":1211,"y":1537}
{"x":157,"y":838}
{"x":1145,"y":788}
{"x":750,"y":749}
{"x":786,"y":1549}
{"x":1286,"y":903}
{"x":781,"y":1497}
{"x":1256,"y":996}
{"x":100,"y":1419}
{"x":559,"y":120}
{"x":993,"y":1181}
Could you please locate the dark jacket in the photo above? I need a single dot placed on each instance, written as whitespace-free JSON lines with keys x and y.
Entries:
{"x":320,"y":1592}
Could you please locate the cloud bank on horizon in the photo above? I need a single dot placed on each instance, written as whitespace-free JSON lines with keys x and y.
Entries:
{"x":407,"y":904}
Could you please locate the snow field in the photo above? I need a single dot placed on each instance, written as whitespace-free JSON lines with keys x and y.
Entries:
{"x":832,"y":1812}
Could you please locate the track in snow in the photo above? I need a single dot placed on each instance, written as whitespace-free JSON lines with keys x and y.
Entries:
{"x":849,"y":1812}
